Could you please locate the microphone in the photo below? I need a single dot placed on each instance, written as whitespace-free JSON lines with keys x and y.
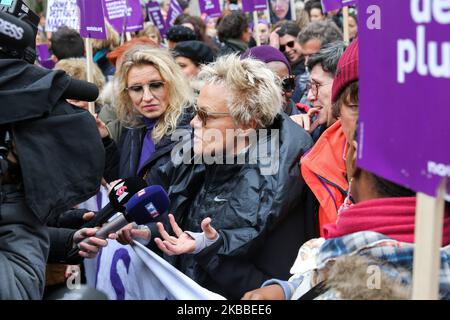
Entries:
{"x":144,"y":207}
{"x":120,"y":194}
{"x":15,"y":33}
{"x":81,"y":90}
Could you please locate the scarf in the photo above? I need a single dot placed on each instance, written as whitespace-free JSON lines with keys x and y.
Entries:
{"x":148,"y":146}
{"x":392,"y":217}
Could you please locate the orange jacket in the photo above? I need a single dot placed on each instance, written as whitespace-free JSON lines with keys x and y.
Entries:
{"x":323,"y":169}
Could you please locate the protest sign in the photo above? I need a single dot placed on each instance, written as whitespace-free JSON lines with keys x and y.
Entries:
{"x":210,"y":8}
{"x":62,"y":13}
{"x":254,"y":5}
{"x":92,"y":22}
{"x":124,"y":15}
{"x":330,"y":5}
{"x":174,"y":11}
{"x":155,"y":15}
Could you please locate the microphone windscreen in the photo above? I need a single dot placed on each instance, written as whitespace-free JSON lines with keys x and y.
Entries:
{"x":81,"y":90}
{"x":147,"y":205}
{"x":122,"y":192}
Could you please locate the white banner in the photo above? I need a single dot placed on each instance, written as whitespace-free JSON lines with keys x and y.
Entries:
{"x":137,"y":273}
{"x":62,"y":13}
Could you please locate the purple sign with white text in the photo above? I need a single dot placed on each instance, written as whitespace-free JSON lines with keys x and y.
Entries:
{"x":329,"y":5}
{"x":404,"y":133}
{"x":254,"y":5}
{"x":155,"y":15}
{"x":210,"y":7}
{"x":123,"y":17}
{"x":174,"y":11}
{"x":92,"y":23}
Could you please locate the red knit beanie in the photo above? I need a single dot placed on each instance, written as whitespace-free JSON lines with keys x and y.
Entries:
{"x":346,"y":71}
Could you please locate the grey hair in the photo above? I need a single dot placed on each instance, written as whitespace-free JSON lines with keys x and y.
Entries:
{"x":328,"y":57}
{"x":254,"y":92}
{"x":324,"y":31}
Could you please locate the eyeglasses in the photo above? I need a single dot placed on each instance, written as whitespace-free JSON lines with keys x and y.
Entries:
{"x":288,"y":83}
{"x":156,"y":88}
{"x":204,"y":115}
{"x":290,"y":44}
{"x":314,"y":87}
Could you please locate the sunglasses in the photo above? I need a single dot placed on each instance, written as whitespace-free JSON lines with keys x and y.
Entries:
{"x":290,"y":44}
{"x":288,"y":83}
{"x":204,"y":115}
{"x":156,"y":88}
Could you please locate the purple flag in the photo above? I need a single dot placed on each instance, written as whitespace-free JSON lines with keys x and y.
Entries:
{"x":92,"y":22}
{"x":404,"y":92}
{"x":211,"y":8}
{"x":44,"y":56}
{"x":115,"y":11}
{"x":329,"y":5}
{"x":174,"y":11}
{"x":254,"y":5}
{"x":155,"y":15}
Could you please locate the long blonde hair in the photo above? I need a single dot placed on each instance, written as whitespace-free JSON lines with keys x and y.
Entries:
{"x":180,"y":93}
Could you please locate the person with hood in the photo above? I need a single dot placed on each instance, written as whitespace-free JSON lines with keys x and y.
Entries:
{"x":254,"y":199}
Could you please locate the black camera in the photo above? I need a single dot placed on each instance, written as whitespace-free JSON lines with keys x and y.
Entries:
{"x":18,"y":29}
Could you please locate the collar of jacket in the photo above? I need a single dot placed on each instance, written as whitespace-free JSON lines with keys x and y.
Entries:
{"x":236,"y":43}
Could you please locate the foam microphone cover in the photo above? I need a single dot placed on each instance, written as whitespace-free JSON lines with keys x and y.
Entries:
{"x":147,"y":205}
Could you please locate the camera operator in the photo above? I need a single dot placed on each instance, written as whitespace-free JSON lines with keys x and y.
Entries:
{"x":51,"y":154}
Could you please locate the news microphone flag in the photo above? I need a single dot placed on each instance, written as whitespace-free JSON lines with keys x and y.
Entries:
{"x":137,"y":273}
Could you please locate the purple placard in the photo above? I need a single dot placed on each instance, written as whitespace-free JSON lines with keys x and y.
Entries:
{"x":404,"y":92}
{"x":44,"y":56}
{"x":92,"y":22}
{"x":174,"y":11}
{"x":329,"y":5}
{"x":115,"y":14}
{"x":211,"y":8}
{"x":155,"y":15}
{"x":254,"y":5}
{"x":135,"y":19}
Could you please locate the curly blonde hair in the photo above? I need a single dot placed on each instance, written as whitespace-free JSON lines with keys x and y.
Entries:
{"x":180,"y":93}
{"x":254,"y":90}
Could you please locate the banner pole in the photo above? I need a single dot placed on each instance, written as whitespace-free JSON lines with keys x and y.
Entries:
{"x":428,"y":239}
{"x":345,"y":25}
{"x":89,"y":69}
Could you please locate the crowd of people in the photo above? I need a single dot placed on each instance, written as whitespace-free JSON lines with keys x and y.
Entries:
{"x":268,"y":201}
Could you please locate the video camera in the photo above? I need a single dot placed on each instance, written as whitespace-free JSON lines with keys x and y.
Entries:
{"x":18,"y":29}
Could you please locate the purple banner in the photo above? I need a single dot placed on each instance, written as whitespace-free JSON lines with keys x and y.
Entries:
{"x":404,"y":92}
{"x":329,"y":5}
{"x":92,"y":22}
{"x":254,"y":5}
{"x":174,"y":11}
{"x":155,"y":15}
{"x":211,"y":8}
{"x":115,"y":14}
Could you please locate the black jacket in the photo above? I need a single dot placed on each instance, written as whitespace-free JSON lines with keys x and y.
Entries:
{"x":262,"y":219}
{"x":60,"y":151}
{"x":130,"y":146}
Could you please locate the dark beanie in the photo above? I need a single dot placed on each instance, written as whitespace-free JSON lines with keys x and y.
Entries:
{"x":346,"y":70}
{"x":178,"y":33}
{"x":197,"y":51}
{"x":266,"y":54}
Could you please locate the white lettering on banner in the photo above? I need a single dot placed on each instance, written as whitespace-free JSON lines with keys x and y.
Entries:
{"x":411,"y":56}
{"x":439,"y":169}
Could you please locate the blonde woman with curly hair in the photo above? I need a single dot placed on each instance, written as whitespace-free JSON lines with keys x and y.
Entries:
{"x":153,"y":99}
